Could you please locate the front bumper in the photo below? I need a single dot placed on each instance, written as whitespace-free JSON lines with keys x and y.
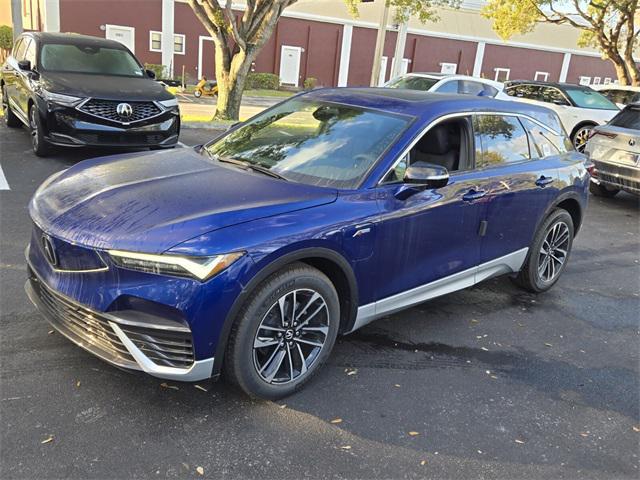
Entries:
{"x":71,"y":127}
{"x":128,"y":340}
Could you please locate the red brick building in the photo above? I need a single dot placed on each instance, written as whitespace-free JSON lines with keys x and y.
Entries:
{"x":317,"y":38}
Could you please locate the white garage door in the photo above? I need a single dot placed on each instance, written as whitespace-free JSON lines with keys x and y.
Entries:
{"x":290,"y":65}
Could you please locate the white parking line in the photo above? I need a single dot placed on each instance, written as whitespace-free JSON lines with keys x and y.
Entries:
{"x":4,"y":185}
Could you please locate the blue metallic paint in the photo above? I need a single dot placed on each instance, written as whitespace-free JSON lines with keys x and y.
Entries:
{"x":180,"y":203}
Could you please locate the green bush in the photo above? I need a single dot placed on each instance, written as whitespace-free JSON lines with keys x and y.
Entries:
{"x":159,"y":70}
{"x":6,"y":41}
{"x":265,"y":81}
{"x":310,"y":83}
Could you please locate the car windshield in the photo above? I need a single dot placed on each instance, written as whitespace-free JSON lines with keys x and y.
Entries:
{"x":316,"y":143}
{"x":410,"y":82}
{"x":89,"y":59}
{"x":587,"y":98}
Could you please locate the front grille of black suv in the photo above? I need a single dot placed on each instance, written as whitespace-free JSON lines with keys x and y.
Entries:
{"x":108,"y":110}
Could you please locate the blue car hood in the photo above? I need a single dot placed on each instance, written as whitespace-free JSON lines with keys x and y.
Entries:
{"x":150,"y":202}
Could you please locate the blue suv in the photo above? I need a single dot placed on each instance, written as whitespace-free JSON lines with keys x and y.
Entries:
{"x":249,"y":255}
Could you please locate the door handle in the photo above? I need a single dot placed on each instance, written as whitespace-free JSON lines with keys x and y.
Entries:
{"x":473,"y":194}
{"x":544,"y":181}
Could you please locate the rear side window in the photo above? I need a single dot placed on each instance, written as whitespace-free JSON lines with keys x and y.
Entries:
{"x":412,"y":83}
{"x":627,"y":118}
{"x":30,"y":53}
{"x":470,"y":88}
{"x":499,"y":139}
{"x":545,"y":143}
{"x":448,"y":87}
{"x":553,"y":95}
{"x":18,"y":49}
{"x":532,"y":92}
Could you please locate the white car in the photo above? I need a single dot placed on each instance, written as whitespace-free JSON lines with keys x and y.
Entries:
{"x":580,"y":108}
{"x":447,"y":83}
{"x":621,"y":95}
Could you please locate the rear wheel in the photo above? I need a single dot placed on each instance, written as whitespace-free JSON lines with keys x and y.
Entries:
{"x":284,"y":333}
{"x":600,"y":190}
{"x":197,"y":93}
{"x":10,"y":119}
{"x":548,"y":253}
{"x":581,"y":136}
{"x":40,"y":146}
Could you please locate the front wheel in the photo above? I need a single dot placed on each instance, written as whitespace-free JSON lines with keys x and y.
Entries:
{"x":284,"y":333}
{"x":40,"y":146}
{"x":197,"y":93}
{"x":581,"y":136}
{"x":548,"y":254}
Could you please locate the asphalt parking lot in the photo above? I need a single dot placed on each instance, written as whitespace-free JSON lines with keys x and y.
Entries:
{"x":490,"y":382}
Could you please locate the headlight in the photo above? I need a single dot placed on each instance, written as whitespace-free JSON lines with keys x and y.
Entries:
{"x":66,"y":100}
{"x":200,"y":268}
{"x":172,"y":102}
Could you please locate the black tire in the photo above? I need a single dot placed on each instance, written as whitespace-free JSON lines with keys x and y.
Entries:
{"x":600,"y":190}
{"x":10,"y":118}
{"x":530,"y":276}
{"x":197,"y":93}
{"x":243,"y":359}
{"x":40,"y":146}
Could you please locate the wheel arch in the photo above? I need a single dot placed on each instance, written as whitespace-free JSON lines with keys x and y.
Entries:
{"x":569,"y":201}
{"x":328,"y":261}
{"x":581,"y":124}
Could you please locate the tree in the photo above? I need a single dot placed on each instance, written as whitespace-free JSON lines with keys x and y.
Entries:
{"x":6,"y":41}
{"x":609,"y":25}
{"x":239,"y":37}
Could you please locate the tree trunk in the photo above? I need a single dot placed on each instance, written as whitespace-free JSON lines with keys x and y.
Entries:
{"x":621,"y":68}
{"x":231,"y":77}
{"x":631,"y":65}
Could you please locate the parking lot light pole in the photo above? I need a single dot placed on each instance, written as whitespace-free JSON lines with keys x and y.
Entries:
{"x":398,"y":56}
{"x":377,"y":56}
{"x":16,"y":17}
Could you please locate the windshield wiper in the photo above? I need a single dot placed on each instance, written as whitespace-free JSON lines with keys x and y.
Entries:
{"x":249,"y":166}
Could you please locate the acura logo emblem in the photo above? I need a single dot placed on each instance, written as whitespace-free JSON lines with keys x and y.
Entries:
{"x":49,"y":250}
{"x":124,"y":110}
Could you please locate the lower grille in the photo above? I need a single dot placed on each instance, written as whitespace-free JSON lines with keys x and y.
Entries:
{"x":92,"y":331}
{"x":122,"y":139}
{"x":108,"y":109}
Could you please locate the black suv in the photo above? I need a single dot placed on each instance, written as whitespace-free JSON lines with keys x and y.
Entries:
{"x":75,"y":90}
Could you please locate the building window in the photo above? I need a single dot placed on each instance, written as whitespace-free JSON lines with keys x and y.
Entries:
{"x":502,"y":74}
{"x":155,"y":41}
{"x":178,"y":43}
{"x":607,"y":80}
{"x":596,"y":80}
{"x":542,"y":76}
{"x":584,"y":80}
{"x":448,"y":68}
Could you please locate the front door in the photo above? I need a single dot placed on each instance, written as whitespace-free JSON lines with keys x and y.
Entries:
{"x":122,"y":34}
{"x":290,"y":65}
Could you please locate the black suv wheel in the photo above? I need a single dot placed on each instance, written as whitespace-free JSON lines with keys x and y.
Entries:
{"x":284,"y":333}
{"x":40,"y":146}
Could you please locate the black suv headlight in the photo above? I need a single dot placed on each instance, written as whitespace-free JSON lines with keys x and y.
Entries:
{"x":60,"y":99}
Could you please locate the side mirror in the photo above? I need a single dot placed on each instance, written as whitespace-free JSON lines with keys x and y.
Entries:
{"x":24,"y":65}
{"x":150,"y":73}
{"x":426,"y":175}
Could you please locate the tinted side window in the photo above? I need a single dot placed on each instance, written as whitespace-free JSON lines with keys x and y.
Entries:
{"x":499,"y":139}
{"x":470,"y":88}
{"x":531,"y":92}
{"x":553,"y":95}
{"x":544,"y":143}
{"x":448,"y":87}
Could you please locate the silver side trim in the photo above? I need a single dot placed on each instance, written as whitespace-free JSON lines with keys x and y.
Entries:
{"x":200,"y":370}
{"x":508,"y":264}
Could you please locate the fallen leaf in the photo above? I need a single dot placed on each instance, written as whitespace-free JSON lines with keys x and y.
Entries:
{"x":50,"y":332}
{"x":351,"y":372}
{"x":346,"y":447}
{"x":78,"y":384}
{"x":172,"y":387}
{"x":480,"y":451}
{"x":283,"y":405}
{"x":200,"y":470}
{"x":397,"y":385}
{"x":494,"y":377}
{"x":336,"y":420}
{"x":423,"y":462}
{"x":584,"y":434}
{"x":413,"y":434}
{"x":49,"y":439}
{"x":636,"y":428}
{"x":473,"y":320}
{"x":484,"y":349}
{"x":519,"y":441}
{"x":548,"y":345}
{"x":200,"y":388}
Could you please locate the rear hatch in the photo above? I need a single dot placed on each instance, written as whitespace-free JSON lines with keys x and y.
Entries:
{"x":619,"y":141}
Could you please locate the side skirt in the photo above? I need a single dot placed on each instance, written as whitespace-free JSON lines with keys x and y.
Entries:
{"x":510,"y":263}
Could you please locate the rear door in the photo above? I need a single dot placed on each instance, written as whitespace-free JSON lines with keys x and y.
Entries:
{"x":520,"y":184}
{"x":10,"y":74}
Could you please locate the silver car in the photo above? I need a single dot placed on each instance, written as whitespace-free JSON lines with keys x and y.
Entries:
{"x":614,"y":150}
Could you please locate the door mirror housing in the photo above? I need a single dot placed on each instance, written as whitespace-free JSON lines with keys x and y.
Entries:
{"x":426,"y":175}
{"x":24,"y":65}
{"x":150,"y":73}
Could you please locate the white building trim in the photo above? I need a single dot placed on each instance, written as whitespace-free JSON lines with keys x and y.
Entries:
{"x":51,"y":15}
{"x":168,"y":14}
{"x":564,"y":70}
{"x":477,"y":64}
{"x":345,"y":55}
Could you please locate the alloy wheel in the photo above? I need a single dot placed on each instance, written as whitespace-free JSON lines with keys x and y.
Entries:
{"x":34,"y":128}
{"x":580,"y":138}
{"x":291,"y":336}
{"x":553,"y":252}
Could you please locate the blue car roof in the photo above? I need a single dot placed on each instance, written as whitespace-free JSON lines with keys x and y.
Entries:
{"x":426,"y":105}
